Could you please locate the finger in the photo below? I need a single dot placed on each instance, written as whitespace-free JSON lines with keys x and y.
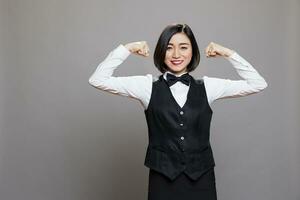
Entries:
{"x":146,"y":50}
{"x":211,"y":50}
{"x":207,"y":53}
{"x":141,"y":48}
{"x":140,"y":52}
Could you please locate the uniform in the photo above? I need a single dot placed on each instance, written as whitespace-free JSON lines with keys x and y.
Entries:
{"x":179,"y":154}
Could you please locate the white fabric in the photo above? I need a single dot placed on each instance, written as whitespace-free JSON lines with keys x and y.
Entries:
{"x":140,"y":86}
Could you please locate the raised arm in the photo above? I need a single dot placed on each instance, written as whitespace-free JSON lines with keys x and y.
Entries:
{"x":136,"y":87}
{"x":251,"y":83}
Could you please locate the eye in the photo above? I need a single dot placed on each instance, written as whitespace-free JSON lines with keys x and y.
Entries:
{"x":184,"y":47}
{"x":169,"y":47}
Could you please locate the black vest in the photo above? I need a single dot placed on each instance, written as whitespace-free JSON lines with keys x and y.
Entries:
{"x":179,"y":137}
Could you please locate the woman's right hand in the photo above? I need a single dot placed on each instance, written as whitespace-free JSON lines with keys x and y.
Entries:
{"x":138,"y":48}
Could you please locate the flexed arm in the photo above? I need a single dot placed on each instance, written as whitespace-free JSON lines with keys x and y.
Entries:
{"x":137,"y":87}
{"x":218,"y":88}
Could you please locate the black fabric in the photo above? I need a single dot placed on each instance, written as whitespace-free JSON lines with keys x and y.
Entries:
{"x":167,"y":123}
{"x":182,"y":188}
{"x":172,"y":79}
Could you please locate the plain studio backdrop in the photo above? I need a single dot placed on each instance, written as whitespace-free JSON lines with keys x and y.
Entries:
{"x":62,"y":139}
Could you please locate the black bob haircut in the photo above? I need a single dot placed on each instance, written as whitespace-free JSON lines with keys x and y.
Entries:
{"x":162,"y":44}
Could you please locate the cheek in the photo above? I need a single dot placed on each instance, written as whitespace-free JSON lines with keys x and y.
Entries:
{"x":189,"y":55}
{"x":167,"y":57}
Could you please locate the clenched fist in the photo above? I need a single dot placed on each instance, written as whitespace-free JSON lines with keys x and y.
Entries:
{"x":214,"y":49}
{"x":138,"y":48}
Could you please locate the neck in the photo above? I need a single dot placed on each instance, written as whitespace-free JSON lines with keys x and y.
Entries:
{"x":176,"y":74}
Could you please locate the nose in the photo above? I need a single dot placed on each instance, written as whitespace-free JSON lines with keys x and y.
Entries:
{"x":176,"y":53}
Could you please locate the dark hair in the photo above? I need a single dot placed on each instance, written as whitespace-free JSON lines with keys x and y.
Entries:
{"x":162,"y":44}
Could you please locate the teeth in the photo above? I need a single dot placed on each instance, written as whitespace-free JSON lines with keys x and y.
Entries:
{"x":177,"y":62}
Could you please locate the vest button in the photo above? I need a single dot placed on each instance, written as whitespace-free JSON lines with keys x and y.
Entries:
{"x":182,"y":138}
{"x":181,"y":124}
{"x":181,"y":112}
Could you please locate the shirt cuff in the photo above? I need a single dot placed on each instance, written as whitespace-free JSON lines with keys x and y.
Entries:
{"x":122,"y":52}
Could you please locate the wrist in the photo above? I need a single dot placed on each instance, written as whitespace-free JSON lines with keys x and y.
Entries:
{"x":127,"y":46}
{"x":228,"y":52}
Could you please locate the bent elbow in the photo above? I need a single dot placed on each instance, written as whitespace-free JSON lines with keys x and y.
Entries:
{"x":101,"y":84}
{"x":92,"y":81}
{"x":260,"y":87}
{"x":95,"y":82}
{"x":263,"y":85}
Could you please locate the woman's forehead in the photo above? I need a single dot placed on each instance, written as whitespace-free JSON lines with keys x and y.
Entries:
{"x":179,"y":39}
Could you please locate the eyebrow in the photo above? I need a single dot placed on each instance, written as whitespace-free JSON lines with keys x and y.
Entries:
{"x":179,"y":43}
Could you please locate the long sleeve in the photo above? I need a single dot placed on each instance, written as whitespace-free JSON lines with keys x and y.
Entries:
{"x":137,"y":87}
{"x":252,"y":82}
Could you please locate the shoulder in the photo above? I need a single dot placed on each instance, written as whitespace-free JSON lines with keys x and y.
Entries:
{"x":156,"y":78}
{"x":212,"y":83}
{"x":198,"y":80}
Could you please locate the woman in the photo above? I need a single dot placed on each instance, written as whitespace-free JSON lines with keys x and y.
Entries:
{"x":177,"y":109}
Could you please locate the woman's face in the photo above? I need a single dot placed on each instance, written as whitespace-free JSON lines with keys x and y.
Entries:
{"x":178,"y":53}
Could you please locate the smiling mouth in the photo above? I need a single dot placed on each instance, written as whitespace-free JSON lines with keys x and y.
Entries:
{"x":177,"y":62}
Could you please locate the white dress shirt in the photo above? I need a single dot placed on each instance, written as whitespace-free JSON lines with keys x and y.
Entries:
{"x":140,"y":86}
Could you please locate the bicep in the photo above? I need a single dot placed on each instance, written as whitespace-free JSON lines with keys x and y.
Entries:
{"x":218,"y":88}
{"x":136,"y":87}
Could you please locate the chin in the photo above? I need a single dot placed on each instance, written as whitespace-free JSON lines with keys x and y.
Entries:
{"x":176,"y":69}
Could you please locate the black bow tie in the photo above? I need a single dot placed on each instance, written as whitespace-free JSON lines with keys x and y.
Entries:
{"x":172,"y":79}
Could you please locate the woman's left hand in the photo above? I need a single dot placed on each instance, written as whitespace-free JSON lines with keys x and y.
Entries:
{"x":214,"y":50}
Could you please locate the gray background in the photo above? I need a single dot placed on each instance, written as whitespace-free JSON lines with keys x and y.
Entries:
{"x":62,"y":139}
